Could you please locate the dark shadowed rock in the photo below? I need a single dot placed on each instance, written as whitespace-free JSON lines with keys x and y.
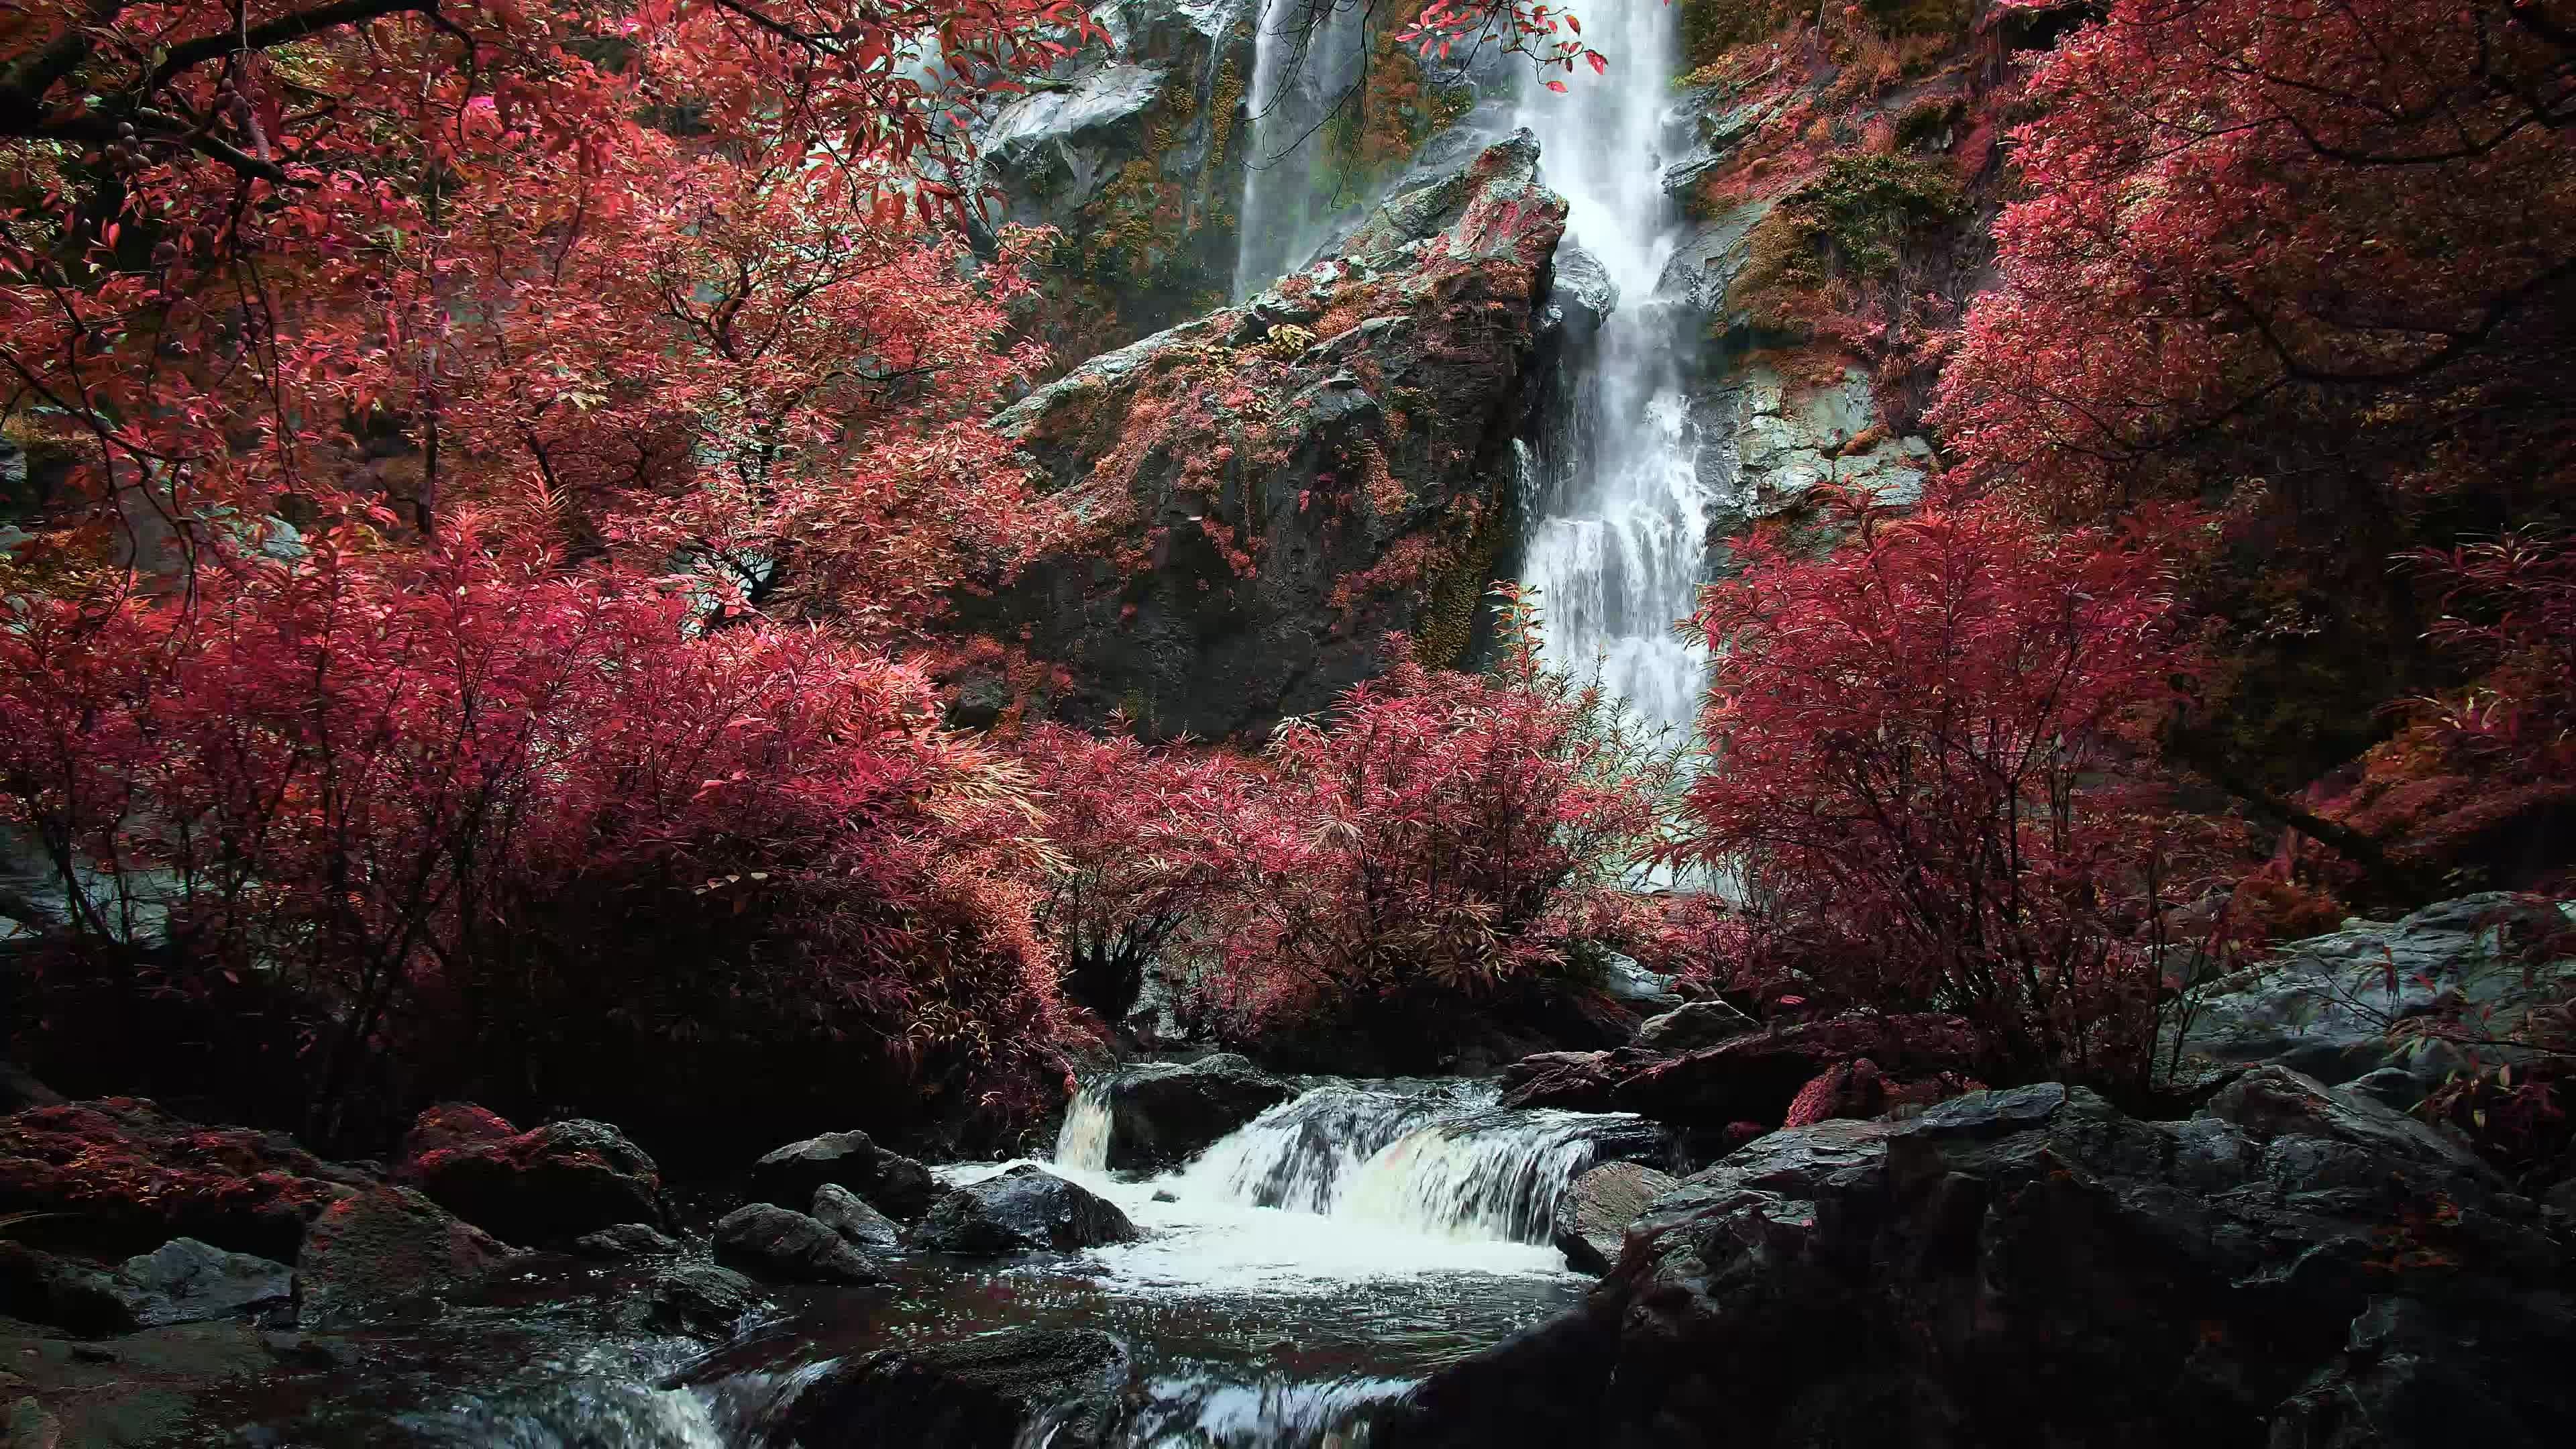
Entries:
{"x":122,"y":1176}
{"x":547,"y":1185}
{"x":624,"y":1241}
{"x":453,"y":1124}
{"x":389,"y":1252}
{"x":1060,"y":1387}
{"x":894,"y":1183}
{"x":1163,"y":1114}
{"x":2292,"y":1267}
{"x":1026,"y":1209}
{"x":1693,"y":1025}
{"x":186,"y":1281}
{"x":786,"y":1246}
{"x":694,"y":1299}
{"x":863,"y":1227}
{"x":1749,"y":1078}
{"x":1599,"y":1207}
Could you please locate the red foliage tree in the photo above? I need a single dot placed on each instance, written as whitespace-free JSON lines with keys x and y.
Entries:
{"x":1439,"y":838}
{"x":507,"y":827}
{"x":1916,"y":744}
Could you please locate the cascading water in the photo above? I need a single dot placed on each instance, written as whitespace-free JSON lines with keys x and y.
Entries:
{"x":1307,"y":56}
{"x":1618,"y":544}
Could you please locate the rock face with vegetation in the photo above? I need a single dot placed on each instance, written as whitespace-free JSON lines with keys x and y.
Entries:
{"x":1265,"y":492}
{"x":2288,"y":1266}
{"x":1134,"y":152}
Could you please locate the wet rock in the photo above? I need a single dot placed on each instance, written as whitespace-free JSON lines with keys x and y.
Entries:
{"x":892,"y":1182}
{"x":693,"y":1299}
{"x":1788,"y":440}
{"x":1693,"y":1025}
{"x":546,"y":1185}
{"x":624,"y":1241}
{"x":453,"y":1124}
{"x":1362,"y":458}
{"x":786,"y":1246}
{"x":1060,"y":1387}
{"x":41,"y":1287}
{"x":1165,"y":1113}
{"x":2323,"y":1005}
{"x":1749,"y":1078}
{"x":1026,"y":1209}
{"x":1599,"y":1207}
{"x":389,"y":1253}
{"x":186,"y":1281}
{"x":122,"y":1176}
{"x":862,"y":1226}
{"x":2292,"y":1266}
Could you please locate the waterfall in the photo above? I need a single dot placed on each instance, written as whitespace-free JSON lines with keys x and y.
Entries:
{"x":1307,"y":56}
{"x":1618,"y":544}
{"x":1082,"y":1143}
{"x":1496,"y":1175}
{"x":1303,"y":1154}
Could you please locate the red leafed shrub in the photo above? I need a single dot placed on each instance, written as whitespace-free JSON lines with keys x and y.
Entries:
{"x":1438,"y":838}
{"x":505,"y":833}
{"x":1147,"y":841}
{"x":1916,"y":745}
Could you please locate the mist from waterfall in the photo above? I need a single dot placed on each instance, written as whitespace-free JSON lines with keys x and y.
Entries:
{"x":1307,"y":56}
{"x":1617,"y":539}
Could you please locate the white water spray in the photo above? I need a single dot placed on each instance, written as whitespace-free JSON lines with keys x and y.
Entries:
{"x":1082,"y":1143}
{"x":1307,"y":56}
{"x":1618,"y":548}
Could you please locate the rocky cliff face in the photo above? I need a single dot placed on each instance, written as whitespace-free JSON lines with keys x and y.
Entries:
{"x":1266,"y":491}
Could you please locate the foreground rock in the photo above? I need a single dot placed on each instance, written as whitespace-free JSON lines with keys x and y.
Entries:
{"x":861,"y":1226}
{"x":388,"y":1253}
{"x":549,"y":1184}
{"x":624,"y":1241}
{"x":1059,"y":1387}
{"x":1165,"y":1113}
{"x":692,"y":1299}
{"x":2324,"y":1005}
{"x":1694,"y":1025}
{"x":120,"y":1176}
{"x":1268,"y":490}
{"x":785,"y":1246}
{"x":894,"y":1183}
{"x":1599,"y":1208}
{"x":1026,"y":1209}
{"x":2292,"y":1267}
{"x":183,"y":1281}
{"x":1750,"y":1078}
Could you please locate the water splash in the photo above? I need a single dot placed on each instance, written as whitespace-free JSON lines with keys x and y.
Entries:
{"x":1082,"y":1143}
{"x":1302,"y":1154}
{"x":1619,"y":546}
{"x":1497,"y":1175}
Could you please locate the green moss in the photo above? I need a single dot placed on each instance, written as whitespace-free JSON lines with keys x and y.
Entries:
{"x":1711,"y":28}
{"x":1928,"y":117}
{"x":1851,"y":221}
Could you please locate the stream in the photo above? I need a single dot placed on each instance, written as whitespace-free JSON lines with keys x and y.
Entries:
{"x":1299,"y":1273}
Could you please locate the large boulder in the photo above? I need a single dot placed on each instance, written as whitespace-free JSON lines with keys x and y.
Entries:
{"x":1056,"y":1386}
{"x":1695,"y":1024}
{"x":2293,"y":1266}
{"x":1599,"y":1208}
{"x":549,"y":1184}
{"x":120,"y":1176}
{"x":1265,"y":492}
{"x":2324,"y":1005}
{"x":785,"y":1246}
{"x":861,"y":1226}
{"x":691,"y":1299}
{"x":1165,"y":1113}
{"x":894,"y":1183}
{"x":182,"y":1281}
{"x":1026,"y":1209}
{"x":389,"y":1253}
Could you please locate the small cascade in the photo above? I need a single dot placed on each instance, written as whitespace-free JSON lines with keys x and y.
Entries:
{"x":1303,"y":1154}
{"x":1618,"y":545}
{"x":1307,"y":57}
{"x":1082,"y":1143}
{"x":1496,"y":1175}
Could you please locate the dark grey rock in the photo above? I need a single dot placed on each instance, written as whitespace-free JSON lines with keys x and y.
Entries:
{"x":1693,"y":1025}
{"x":186,"y":1281}
{"x":892,"y":1182}
{"x":2293,"y":1268}
{"x":389,"y":1253}
{"x":1026,"y":1209}
{"x":546,"y":1185}
{"x":693,"y":1299}
{"x":1599,"y":1208}
{"x":1165,"y":1113}
{"x":624,"y":1241}
{"x":786,"y":1246}
{"x":1060,"y":1387}
{"x":862,"y":1226}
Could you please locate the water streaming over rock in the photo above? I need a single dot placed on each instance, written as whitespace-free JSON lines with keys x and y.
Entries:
{"x":1617,"y":547}
{"x":1307,"y":57}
